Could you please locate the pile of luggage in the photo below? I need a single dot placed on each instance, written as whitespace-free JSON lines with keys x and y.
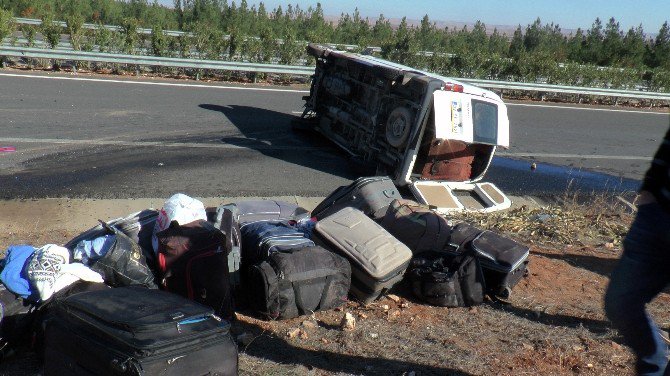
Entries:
{"x":173,"y":278}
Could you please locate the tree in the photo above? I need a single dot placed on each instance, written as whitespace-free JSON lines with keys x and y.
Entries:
{"x":612,"y":44}
{"x":7,"y":25}
{"x":633,"y":48}
{"x":517,"y":46}
{"x":661,"y":48}
{"x":159,"y":42}
{"x":50,"y":30}
{"x":498,"y":44}
{"x":533,"y":38}
{"x":129,"y":26}
{"x":593,"y":46}
{"x":382,"y":32}
{"x":75,"y":27}
{"x":575,"y":45}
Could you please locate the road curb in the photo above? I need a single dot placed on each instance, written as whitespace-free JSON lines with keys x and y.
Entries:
{"x":81,"y":214}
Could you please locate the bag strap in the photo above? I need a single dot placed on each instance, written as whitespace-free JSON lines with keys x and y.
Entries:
{"x":228,"y":228}
{"x":271,"y":285}
{"x":326,"y":289}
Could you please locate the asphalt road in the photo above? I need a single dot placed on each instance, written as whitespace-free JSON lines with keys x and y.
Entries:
{"x":110,"y":137}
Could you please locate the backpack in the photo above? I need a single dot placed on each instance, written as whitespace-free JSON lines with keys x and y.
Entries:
{"x":417,"y":226}
{"x":193,"y":261}
{"x":447,"y":281}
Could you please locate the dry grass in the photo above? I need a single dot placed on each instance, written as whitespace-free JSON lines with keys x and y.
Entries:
{"x":576,"y":220}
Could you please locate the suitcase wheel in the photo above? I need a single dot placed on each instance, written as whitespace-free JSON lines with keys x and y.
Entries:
{"x":505,"y":293}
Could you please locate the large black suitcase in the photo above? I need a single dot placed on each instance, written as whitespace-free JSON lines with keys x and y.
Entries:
{"x":371,"y":195}
{"x":504,"y":261}
{"x":299,"y":282}
{"x":136,"y":331}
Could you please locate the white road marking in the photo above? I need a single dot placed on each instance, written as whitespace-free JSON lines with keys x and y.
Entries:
{"x":292,"y":91}
{"x":580,"y":156}
{"x":586,"y":108}
{"x":155,"y":83}
{"x":154,"y":143}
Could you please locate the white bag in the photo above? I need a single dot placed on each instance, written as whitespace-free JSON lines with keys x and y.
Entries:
{"x":180,"y":208}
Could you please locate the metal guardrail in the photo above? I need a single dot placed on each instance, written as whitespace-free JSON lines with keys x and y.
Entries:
{"x":172,"y":33}
{"x":39,"y":53}
{"x":33,"y":21}
{"x":508,"y":85}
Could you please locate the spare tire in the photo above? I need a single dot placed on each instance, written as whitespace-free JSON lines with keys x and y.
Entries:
{"x":398,"y":125}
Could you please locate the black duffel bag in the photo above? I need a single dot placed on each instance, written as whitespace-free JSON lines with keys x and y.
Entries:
{"x":124,"y":264}
{"x":448,"y":281}
{"x":299,"y":282}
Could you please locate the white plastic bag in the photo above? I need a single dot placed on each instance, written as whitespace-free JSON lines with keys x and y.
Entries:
{"x":180,"y":208}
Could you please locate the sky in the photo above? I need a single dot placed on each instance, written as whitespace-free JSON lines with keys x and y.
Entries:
{"x":569,"y":14}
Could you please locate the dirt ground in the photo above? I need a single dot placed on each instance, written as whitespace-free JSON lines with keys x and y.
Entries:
{"x":553,"y":323}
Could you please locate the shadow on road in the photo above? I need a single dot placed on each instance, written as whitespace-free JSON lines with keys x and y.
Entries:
{"x":270,"y":133}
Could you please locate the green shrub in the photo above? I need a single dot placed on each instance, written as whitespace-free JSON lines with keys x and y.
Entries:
{"x":75,"y":28}
{"x":50,"y":30}
{"x":7,"y":25}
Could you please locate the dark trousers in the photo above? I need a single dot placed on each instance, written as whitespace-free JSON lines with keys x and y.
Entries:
{"x":642,"y":273}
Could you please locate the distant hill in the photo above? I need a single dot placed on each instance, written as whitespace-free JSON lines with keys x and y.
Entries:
{"x":502,"y":29}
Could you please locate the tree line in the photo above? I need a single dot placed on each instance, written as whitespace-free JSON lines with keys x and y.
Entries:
{"x":236,"y":30}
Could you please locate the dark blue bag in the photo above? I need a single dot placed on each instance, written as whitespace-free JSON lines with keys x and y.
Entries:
{"x":261,"y":239}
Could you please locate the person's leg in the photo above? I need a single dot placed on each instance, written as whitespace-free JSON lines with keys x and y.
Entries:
{"x":640,"y":275}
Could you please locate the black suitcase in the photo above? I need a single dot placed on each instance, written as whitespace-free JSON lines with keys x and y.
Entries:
{"x":371,"y":195}
{"x":136,"y":331}
{"x":299,"y":282}
{"x":503,"y":260}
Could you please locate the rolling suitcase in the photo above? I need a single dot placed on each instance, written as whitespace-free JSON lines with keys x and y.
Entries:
{"x":261,"y":210}
{"x":378,"y":260}
{"x":371,"y":195}
{"x":503,"y":260}
{"x":136,"y":331}
{"x":299,"y":282}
